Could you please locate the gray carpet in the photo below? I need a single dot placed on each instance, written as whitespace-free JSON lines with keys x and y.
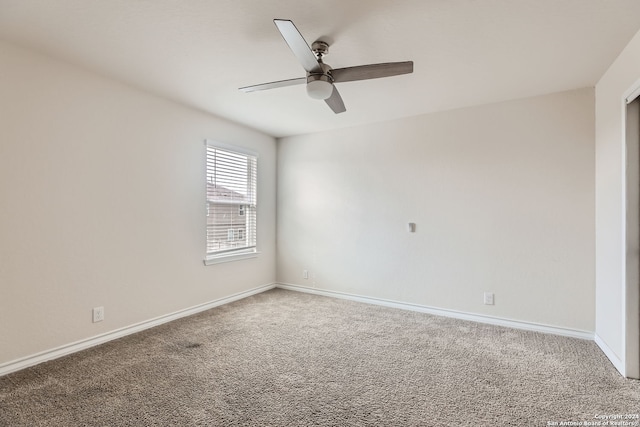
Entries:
{"x":285,"y":358}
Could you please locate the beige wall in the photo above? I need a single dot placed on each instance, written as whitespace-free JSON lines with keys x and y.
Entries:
{"x":623,"y":75}
{"x":502,"y":196}
{"x":84,"y":164}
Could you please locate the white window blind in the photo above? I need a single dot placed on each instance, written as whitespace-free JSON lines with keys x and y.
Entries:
{"x":231,"y":202}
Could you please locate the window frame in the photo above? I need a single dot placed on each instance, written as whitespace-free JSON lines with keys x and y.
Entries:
{"x":245,"y":252}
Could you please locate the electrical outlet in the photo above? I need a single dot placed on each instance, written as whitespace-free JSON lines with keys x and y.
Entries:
{"x":98,"y":314}
{"x":488,"y":298}
{"x":305,"y":274}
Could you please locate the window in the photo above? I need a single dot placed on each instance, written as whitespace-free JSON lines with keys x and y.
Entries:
{"x":231,"y":203}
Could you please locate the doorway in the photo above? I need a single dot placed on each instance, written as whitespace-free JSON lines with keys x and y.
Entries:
{"x":632,"y":292}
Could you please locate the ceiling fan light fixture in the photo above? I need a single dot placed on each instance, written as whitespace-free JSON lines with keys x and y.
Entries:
{"x":319,"y":89}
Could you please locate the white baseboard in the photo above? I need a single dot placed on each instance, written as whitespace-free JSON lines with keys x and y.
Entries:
{"x":25,"y":362}
{"x":611,"y":355}
{"x":528,"y":326}
{"x":64,"y":350}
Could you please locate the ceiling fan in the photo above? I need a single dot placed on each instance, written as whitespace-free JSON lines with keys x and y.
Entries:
{"x":320,"y":76}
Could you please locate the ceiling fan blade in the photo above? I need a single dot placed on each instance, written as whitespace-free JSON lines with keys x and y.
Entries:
{"x":372,"y":71}
{"x":273,"y":85}
{"x":335,"y":102}
{"x":298,"y":45}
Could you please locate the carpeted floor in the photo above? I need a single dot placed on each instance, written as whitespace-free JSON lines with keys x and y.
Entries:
{"x":285,"y":358}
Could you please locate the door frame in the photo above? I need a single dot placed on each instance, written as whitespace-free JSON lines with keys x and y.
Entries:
{"x":631,"y":294}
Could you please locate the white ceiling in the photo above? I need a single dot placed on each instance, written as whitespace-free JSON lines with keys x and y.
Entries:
{"x":198,"y":52}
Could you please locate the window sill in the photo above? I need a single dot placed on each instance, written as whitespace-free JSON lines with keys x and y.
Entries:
{"x":230,"y":257}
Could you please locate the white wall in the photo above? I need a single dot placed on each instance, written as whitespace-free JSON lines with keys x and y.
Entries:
{"x":102,"y":203}
{"x":623,"y":75}
{"x":502,"y":196}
